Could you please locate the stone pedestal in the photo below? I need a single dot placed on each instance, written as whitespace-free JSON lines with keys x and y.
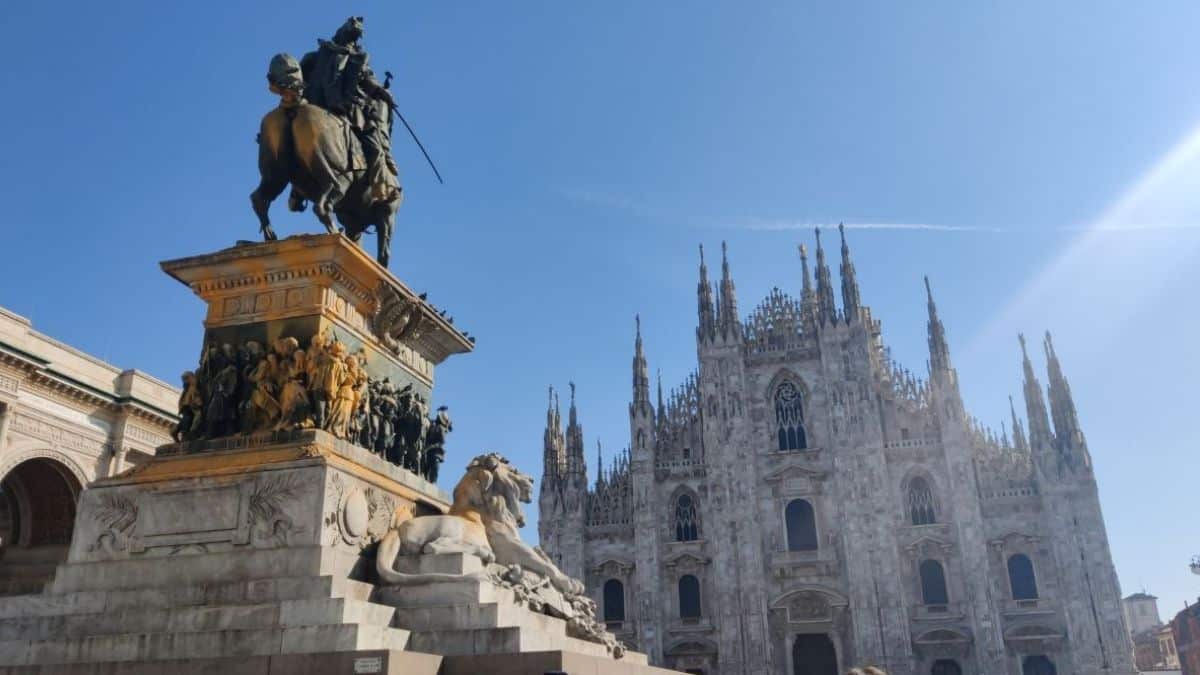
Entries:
{"x":253,"y":546}
{"x":254,"y":552}
{"x":306,"y":285}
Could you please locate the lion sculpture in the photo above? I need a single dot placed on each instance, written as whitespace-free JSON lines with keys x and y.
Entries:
{"x":484,"y":521}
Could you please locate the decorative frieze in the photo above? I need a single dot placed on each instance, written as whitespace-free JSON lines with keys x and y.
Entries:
{"x":145,"y":435}
{"x":929,"y":547}
{"x":809,"y":606}
{"x":9,"y":384}
{"x":58,"y":437}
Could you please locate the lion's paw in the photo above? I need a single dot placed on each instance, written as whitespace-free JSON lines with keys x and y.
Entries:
{"x":569,"y":586}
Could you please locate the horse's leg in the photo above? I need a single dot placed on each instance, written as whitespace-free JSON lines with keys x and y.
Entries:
{"x":296,"y":201}
{"x":269,"y":187}
{"x":351,"y":226}
{"x":383,"y":236}
{"x":321,"y":207}
{"x":324,"y":192}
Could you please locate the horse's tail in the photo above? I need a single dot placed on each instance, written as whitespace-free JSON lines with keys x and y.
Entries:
{"x":277,"y":137}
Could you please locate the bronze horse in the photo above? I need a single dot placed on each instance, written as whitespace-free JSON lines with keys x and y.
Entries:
{"x":319,"y":154}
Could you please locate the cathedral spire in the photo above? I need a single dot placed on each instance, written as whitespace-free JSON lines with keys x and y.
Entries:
{"x":599,"y":462}
{"x":939,"y":351}
{"x":808,"y":299}
{"x":850,"y":299}
{"x":1018,"y":429}
{"x":575,"y":462}
{"x":553,"y":420}
{"x":704,"y":297}
{"x":553,"y":450}
{"x":728,"y":316}
{"x":1067,"y":434}
{"x":572,"y":413}
{"x":661,"y":409}
{"x":1035,"y":404}
{"x":641,"y":378}
{"x":826,"y":309}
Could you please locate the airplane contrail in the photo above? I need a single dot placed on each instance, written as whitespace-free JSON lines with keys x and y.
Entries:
{"x":793,"y":225}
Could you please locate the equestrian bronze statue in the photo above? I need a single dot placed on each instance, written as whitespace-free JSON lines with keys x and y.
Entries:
{"x":330,"y":139}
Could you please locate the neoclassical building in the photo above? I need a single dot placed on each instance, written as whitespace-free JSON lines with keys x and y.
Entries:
{"x":66,"y":419}
{"x":801,"y":504}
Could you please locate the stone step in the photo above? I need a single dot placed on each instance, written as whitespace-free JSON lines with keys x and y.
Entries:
{"x":201,"y":569}
{"x":483,"y":615}
{"x":547,"y":662}
{"x":499,"y":641}
{"x":166,"y":645}
{"x":28,"y":570}
{"x":191,"y":619}
{"x":255,"y":591}
{"x":52,"y":554}
{"x":32,"y":568}
{"x":24,"y":586}
{"x":466,"y":591}
{"x":377,"y":661}
{"x":438,"y":563}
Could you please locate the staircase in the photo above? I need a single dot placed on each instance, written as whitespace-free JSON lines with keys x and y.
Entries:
{"x":28,"y":570}
{"x":101,"y":620}
{"x":474,"y":617}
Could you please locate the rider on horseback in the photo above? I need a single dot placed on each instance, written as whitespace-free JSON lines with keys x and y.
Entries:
{"x":338,"y":79}
{"x":329,"y":139}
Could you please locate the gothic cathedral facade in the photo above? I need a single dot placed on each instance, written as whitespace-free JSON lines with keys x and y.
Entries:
{"x":800,"y":504}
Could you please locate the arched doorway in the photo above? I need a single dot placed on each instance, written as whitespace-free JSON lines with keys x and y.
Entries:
{"x":37,"y":515}
{"x":814,"y":654}
{"x":1038,"y":664}
{"x":945,"y":667}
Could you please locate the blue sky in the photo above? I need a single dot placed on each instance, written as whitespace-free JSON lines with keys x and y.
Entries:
{"x":1041,"y":160}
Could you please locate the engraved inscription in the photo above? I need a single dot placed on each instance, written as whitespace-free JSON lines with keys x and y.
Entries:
{"x":208,"y":510}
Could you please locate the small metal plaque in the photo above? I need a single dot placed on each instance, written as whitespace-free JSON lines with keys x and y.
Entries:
{"x":368,"y":664}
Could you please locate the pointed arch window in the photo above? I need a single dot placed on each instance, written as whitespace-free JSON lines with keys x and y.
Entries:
{"x":687,"y":519}
{"x":789,"y":417}
{"x":801,"y":526}
{"x":1020,"y":577}
{"x":614,"y":601}
{"x":689,"y":597}
{"x":920,"y":502}
{"x":933,"y":583}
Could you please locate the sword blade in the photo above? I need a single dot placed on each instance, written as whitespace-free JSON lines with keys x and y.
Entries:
{"x":419,"y":145}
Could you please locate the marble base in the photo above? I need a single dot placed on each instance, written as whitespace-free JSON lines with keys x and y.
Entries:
{"x":255,"y":554}
{"x":250,"y":546}
{"x":384,"y":662}
{"x":473,"y":616}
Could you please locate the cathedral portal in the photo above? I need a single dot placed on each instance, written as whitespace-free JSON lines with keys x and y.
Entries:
{"x":814,"y":654}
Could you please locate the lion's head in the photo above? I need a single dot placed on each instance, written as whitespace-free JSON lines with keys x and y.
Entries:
{"x":495,"y":488}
